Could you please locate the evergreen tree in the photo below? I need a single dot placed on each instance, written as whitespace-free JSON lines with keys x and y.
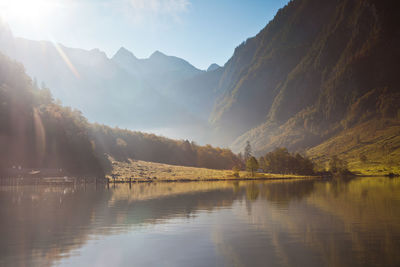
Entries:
{"x":247,"y":151}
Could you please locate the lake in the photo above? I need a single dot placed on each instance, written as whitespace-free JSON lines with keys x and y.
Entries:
{"x":354,"y":222}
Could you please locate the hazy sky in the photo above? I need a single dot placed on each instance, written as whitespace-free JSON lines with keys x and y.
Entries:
{"x":200,"y":31}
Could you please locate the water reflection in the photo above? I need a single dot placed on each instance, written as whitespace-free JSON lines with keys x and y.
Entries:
{"x":272,"y":223}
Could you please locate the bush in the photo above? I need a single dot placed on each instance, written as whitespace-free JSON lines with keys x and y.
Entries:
{"x":281,"y":161}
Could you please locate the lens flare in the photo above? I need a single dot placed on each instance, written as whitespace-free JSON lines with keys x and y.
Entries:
{"x":66,"y":60}
{"x":40,"y":136}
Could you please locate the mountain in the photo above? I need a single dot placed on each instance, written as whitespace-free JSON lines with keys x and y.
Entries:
{"x":122,"y":90}
{"x":198,"y":93}
{"x":317,"y":69}
{"x":159,"y":70}
{"x":213,"y":67}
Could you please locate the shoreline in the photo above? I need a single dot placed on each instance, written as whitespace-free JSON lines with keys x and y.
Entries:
{"x":15,"y":181}
{"x":145,"y":180}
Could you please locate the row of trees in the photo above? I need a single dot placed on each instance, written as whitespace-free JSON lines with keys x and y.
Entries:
{"x":278,"y":161}
{"x":123,"y":144}
{"x":281,"y":161}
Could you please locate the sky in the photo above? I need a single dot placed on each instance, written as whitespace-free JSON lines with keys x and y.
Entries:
{"x":199,"y":31}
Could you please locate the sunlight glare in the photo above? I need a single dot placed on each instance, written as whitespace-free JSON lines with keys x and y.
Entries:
{"x":34,"y":12}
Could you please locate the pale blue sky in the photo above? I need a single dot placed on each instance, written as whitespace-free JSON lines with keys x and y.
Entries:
{"x":200,"y":31}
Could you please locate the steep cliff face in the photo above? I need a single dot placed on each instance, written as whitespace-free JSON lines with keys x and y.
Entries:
{"x":317,"y":68}
{"x":254,"y":76}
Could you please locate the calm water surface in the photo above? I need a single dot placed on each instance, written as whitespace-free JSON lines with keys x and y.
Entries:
{"x":270,"y":223}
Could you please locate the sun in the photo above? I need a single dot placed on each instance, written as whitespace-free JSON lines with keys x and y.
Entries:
{"x":32,"y":12}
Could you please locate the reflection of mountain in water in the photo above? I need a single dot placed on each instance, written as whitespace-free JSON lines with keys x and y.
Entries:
{"x":43,"y":218}
{"x":339,"y":223}
{"x":280,"y":222}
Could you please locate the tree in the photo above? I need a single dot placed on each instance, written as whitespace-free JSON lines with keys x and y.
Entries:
{"x":252,"y":165}
{"x":338,"y":166}
{"x":263,"y":164}
{"x":236,"y":170}
{"x":247,"y":151}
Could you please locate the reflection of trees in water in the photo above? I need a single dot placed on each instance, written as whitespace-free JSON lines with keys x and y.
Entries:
{"x":344,"y":222}
{"x":279,"y":192}
{"x":46,"y":223}
{"x":369,"y":210}
{"x":262,"y":217}
{"x":182,"y":205}
{"x":252,"y":191}
{"x":51,"y":222}
{"x":63,"y":218}
{"x":236,"y":186}
{"x":339,"y":183}
{"x":282,"y":193}
{"x":276,"y":191}
{"x":34,"y":217}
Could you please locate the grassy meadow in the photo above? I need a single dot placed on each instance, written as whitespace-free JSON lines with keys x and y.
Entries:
{"x":369,"y":148}
{"x":149,"y":171}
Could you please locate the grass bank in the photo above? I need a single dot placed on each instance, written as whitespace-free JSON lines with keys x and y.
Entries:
{"x":138,"y":170}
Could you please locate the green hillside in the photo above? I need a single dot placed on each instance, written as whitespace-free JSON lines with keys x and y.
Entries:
{"x":371,"y":148}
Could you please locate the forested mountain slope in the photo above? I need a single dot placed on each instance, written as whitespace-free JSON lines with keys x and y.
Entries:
{"x":36,"y":132}
{"x":318,"y":68}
